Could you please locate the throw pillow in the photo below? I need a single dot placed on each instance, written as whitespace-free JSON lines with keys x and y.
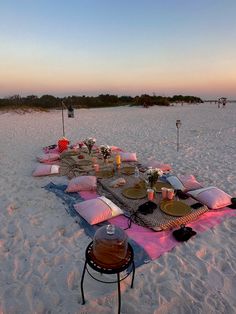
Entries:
{"x":212,"y":197}
{"x":45,"y":170}
{"x":97,"y":210}
{"x":48,"y":157}
{"x":128,"y":156}
{"x":184,"y":182}
{"x":82,"y":183}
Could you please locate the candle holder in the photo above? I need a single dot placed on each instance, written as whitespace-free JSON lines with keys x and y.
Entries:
{"x":70,"y":112}
{"x":118,"y":160}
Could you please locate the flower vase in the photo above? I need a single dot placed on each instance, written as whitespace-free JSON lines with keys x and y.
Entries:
{"x":152,"y":184}
{"x":90,"y":149}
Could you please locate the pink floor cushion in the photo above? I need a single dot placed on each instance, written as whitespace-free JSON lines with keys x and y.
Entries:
{"x":48,"y":157}
{"x":45,"y":170}
{"x":50,"y":149}
{"x":212,"y":197}
{"x":82,"y":183}
{"x":157,"y":164}
{"x":116,"y":149}
{"x":97,"y":210}
{"x":184,"y":182}
{"x":128,"y":156}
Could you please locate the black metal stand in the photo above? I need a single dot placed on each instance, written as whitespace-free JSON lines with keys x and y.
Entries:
{"x":126,"y":264}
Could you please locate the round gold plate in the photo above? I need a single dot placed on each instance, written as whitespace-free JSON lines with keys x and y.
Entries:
{"x":160,"y":185}
{"x":103,"y":174}
{"x":134,"y":193}
{"x":127,"y":170}
{"x":140,"y":185}
{"x":175,"y":208}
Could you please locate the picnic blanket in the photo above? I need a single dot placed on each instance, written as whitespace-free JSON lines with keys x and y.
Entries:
{"x":147,"y":244}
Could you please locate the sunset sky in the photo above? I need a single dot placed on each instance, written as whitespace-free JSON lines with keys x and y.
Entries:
{"x":125,"y":47}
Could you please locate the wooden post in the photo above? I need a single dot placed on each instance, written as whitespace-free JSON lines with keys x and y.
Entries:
{"x":178,"y":125}
{"x":62,"y":117}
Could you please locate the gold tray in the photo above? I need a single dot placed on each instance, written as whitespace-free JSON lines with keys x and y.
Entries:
{"x":134,"y":193}
{"x":160,"y":185}
{"x":175,"y":208}
{"x":102,"y":174}
{"x":127,"y":170}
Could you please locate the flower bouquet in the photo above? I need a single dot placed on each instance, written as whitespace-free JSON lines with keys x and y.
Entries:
{"x":153,"y":175}
{"x":81,"y":144}
{"x":105,"y":151}
{"x":89,"y":142}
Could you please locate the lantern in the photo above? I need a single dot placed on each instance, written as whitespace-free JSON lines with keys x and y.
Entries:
{"x":70,"y":112}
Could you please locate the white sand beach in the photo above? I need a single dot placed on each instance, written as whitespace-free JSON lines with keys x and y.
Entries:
{"x":42,"y":248}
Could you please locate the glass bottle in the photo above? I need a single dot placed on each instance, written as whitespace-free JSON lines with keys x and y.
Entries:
{"x":136,"y":172}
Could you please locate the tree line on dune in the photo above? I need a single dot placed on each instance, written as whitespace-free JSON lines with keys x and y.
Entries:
{"x":104,"y":100}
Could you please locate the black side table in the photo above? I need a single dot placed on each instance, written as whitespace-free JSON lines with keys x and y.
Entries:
{"x":126,"y":264}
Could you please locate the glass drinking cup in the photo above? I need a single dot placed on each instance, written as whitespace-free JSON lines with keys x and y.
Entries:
{"x":170,"y":194}
{"x":164,"y":192}
{"x":150,"y":195}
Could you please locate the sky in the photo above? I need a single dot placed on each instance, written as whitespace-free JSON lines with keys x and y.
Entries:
{"x":125,"y":47}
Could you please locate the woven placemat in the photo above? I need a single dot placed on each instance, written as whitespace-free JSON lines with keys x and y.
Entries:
{"x":160,"y":221}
